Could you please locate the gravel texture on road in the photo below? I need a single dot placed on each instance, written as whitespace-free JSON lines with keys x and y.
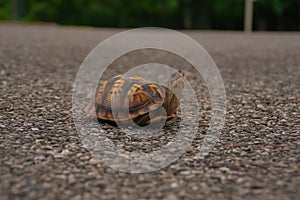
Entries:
{"x":42,"y":157}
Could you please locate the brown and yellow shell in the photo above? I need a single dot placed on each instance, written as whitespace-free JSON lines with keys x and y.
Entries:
{"x":123,"y":98}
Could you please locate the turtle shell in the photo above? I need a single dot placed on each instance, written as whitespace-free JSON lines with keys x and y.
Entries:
{"x":123,"y":98}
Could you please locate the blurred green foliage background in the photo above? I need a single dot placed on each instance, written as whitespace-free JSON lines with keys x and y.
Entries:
{"x":179,"y":14}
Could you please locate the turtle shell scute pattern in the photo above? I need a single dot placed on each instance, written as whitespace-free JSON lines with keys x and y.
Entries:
{"x":122,"y":98}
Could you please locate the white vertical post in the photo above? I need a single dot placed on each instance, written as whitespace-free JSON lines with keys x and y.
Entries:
{"x":248,"y":17}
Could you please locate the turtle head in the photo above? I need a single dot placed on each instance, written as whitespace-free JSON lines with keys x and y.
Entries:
{"x":176,"y":83}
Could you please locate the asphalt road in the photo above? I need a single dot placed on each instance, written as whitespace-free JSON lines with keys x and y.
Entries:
{"x":42,"y":157}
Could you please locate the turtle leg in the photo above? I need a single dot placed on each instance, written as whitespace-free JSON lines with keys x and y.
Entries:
{"x":142,"y":120}
{"x":173,"y":115}
{"x":145,"y":119}
{"x":107,"y":122}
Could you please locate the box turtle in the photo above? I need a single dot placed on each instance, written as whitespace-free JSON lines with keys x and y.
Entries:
{"x":123,"y":98}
